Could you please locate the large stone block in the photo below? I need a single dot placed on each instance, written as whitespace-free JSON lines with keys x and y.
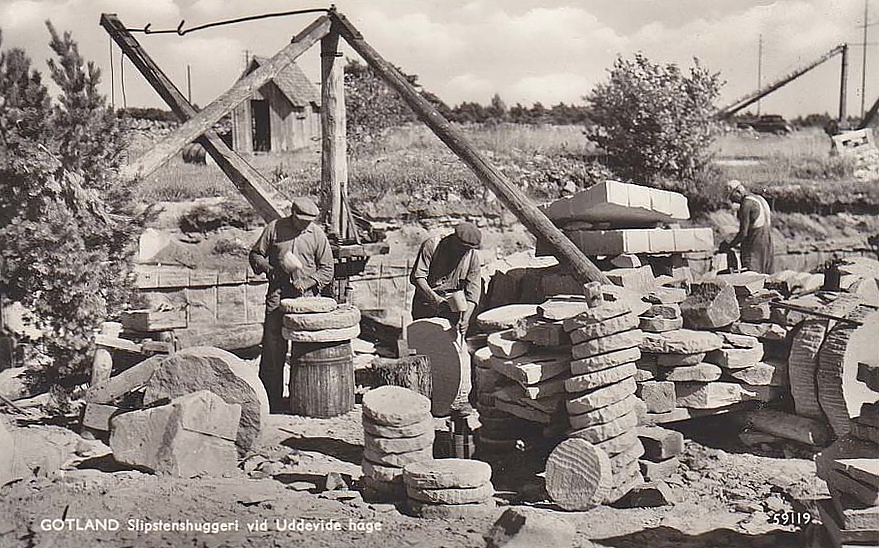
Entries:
{"x":660,"y":443}
{"x":711,"y":304}
{"x":604,"y":345}
{"x":207,"y":368}
{"x":712,"y":395}
{"x":193,"y":435}
{"x":533,"y":368}
{"x":682,"y":341}
{"x":620,"y":204}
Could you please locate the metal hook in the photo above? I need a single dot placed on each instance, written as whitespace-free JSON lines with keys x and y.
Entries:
{"x":180,"y":30}
{"x":146,"y":29}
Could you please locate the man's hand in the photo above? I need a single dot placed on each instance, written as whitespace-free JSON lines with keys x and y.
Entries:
{"x":303,"y":284}
{"x":436,"y":299}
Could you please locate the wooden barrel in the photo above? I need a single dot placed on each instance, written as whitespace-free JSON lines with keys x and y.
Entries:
{"x":321,"y":379}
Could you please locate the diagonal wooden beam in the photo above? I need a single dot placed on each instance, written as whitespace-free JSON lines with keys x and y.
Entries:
{"x":244,"y":88}
{"x":255,"y":188}
{"x":509,"y":194}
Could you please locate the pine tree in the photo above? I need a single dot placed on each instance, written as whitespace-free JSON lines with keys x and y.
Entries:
{"x":65,"y":246}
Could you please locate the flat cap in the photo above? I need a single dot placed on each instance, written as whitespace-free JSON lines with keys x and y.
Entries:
{"x":303,"y":206}
{"x":468,"y":234}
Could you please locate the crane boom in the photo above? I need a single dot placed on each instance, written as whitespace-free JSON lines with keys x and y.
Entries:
{"x":756,"y":95}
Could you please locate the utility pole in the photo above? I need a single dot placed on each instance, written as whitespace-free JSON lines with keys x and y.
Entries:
{"x":759,"y":69}
{"x":864,"y":60}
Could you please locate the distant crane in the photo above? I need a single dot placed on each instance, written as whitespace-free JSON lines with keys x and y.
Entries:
{"x":754,"y":96}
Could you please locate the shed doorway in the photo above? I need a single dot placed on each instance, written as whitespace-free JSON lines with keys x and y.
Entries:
{"x":262,"y":129}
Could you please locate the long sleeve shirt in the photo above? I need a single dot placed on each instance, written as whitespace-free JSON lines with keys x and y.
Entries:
{"x":309,"y":245}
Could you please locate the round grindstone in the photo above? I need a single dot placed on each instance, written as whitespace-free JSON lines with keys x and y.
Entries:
{"x":326,"y":335}
{"x":308,"y":305}
{"x":597,"y":379}
{"x":447,"y":474}
{"x":387,"y":474}
{"x":606,"y":328}
{"x":397,"y":459}
{"x":398,"y":445}
{"x":504,"y":317}
{"x":452,"y":496}
{"x":395,"y":406}
{"x":342,"y":317}
{"x":450,"y":511}
{"x":578,"y":475}
{"x":409,"y":431}
{"x":605,"y":361}
{"x":604,"y":432}
{"x":604,"y":414}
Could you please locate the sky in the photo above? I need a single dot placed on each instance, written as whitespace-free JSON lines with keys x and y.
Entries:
{"x":468,"y":50}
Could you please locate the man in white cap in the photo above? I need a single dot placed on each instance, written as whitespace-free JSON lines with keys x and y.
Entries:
{"x":755,"y":231}
{"x":295,"y":255}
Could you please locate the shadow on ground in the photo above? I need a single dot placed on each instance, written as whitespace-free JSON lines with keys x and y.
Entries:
{"x":666,"y":537}
{"x":339,"y":449}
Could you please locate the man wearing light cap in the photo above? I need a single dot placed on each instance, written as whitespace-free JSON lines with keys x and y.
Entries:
{"x":295,"y":255}
{"x":755,"y":231}
{"x":445,"y":266}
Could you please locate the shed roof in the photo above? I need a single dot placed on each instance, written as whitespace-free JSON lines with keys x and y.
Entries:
{"x":292,"y":82}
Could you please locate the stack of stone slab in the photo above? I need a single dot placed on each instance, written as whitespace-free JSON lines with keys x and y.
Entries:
{"x":398,"y":430}
{"x":601,"y":403}
{"x":523,"y":390}
{"x":614,"y":218}
{"x":851,"y":469}
{"x":319,"y":320}
{"x":448,"y":488}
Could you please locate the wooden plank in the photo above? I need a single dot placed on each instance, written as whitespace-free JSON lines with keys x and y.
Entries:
{"x":244,"y":88}
{"x":119,"y":344}
{"x":582,"y":268}
{"x":334,"y":160}
{"x":255,"y":188}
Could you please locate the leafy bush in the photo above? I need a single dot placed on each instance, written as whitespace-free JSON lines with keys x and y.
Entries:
{"x":65,"y":235}
{"x":652,"y":120}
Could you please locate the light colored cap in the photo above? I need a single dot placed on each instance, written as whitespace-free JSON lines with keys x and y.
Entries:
{"x":734,"y":185}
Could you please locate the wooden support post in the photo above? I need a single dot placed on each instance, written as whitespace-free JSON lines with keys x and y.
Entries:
{"x":244,"y":88}
{"x":843,"y":83}
{"x":102,"y":366}
{"x":255,"y":188}
{"x":533,"y":219}
{"x":334,"y":160}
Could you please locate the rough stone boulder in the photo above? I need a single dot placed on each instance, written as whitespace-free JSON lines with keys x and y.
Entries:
{"x":682,"y":341}
{"x":221,"y":372}
{"x":523,"y":527}
{"x":193,"y":435}
{"x":711,"y":304}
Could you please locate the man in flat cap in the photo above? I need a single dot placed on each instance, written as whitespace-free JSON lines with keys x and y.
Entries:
{"x":296,"y":257}
{"x":755,"y":231}
{"x":445,"y":266}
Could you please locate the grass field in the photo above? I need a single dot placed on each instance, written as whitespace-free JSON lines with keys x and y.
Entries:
{"x":412,"y":170}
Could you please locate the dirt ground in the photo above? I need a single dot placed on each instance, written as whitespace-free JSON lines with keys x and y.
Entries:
{"x":723,"y":497}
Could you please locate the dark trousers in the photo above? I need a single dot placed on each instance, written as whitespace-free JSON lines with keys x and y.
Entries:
{"x":275,"y":349}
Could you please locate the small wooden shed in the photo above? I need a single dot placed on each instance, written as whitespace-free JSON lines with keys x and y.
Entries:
{"x":282,"y":115}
